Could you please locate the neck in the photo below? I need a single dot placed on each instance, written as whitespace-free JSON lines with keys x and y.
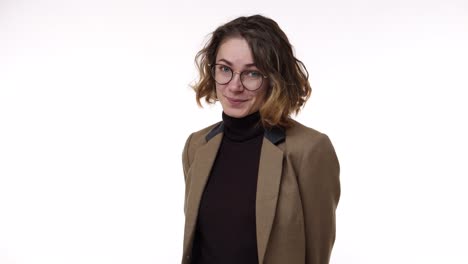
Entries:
{"x":244,"y":128}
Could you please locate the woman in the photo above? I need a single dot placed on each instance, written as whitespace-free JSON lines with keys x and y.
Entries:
{"x":260,"y":187}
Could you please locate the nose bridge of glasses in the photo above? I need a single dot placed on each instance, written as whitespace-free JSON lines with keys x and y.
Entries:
{"x":234,"y":72}
{"x":234,"y":75}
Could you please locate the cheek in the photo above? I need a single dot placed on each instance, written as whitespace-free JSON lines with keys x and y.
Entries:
{"x":218,"y":91}
{"x":260,"y":98}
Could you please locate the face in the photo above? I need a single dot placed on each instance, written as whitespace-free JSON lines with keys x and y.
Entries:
{"x":235,"y":99}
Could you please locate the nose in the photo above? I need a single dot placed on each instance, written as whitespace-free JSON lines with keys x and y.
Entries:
{"x":235,"y":85}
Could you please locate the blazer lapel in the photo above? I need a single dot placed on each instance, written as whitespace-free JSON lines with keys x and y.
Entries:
{"x":268,"y":182}
{"x":200,"y":171}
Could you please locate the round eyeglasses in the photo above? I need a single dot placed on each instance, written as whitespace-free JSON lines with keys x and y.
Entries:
{"x":252,"y":80}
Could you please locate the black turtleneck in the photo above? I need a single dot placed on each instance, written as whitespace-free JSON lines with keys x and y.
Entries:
{"x":226,"y":231}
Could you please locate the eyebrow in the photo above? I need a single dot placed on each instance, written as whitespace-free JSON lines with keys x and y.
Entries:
{"x":230,"y":63}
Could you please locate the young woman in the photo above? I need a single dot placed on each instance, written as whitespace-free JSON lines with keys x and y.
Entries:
{"x":259,"y":186}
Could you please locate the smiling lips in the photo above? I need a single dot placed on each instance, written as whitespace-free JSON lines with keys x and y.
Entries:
{"x":235,"y":102}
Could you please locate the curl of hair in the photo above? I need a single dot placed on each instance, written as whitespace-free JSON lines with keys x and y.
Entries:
{"x":289,"y":88}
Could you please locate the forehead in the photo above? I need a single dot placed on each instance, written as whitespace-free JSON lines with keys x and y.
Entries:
{"x":235,"y":50}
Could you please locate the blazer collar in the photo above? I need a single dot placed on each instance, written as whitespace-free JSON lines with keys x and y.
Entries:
{"x":275,"y":134}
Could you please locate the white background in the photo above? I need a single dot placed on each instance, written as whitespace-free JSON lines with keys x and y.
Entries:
{"x":95,"y":107}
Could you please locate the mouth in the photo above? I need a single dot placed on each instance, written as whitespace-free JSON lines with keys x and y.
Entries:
{"x":235,"y":100}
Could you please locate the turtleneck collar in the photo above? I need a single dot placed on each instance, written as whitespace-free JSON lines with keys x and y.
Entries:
{"x":244,"y":128}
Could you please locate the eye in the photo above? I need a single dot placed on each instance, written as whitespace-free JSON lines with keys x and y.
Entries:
{"x":254,"y":74}
{"x":224,"y":68}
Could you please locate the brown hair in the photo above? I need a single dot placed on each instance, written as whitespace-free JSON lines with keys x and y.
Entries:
{"x":273,"y":55}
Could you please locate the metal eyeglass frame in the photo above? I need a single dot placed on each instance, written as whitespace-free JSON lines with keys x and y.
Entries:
{"x":212,"y":66}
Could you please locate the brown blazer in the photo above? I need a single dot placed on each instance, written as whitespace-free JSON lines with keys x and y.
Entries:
{"x":297,"y":192}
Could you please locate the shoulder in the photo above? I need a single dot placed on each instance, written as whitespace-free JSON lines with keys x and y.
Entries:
{"x":197,"y":139}
{"x":299,"y":136}
{"x":299,"y":130}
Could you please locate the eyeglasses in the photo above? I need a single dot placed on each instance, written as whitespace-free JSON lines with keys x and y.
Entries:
{"x":251,"y":80}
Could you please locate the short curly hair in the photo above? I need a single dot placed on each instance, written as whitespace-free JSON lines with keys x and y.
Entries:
{"x":289,"y":87}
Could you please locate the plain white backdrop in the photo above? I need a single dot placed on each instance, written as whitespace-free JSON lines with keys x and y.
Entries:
{"x":95,"y":107}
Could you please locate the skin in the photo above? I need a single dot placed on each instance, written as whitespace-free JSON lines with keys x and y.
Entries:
{"x":237,"y":101}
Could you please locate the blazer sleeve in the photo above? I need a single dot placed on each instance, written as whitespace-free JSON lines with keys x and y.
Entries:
{"x":185,"y":166}
{"x":185,"y":156}
{"x":320,"y":192}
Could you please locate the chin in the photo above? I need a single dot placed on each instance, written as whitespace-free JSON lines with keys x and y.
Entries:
{"x":237,"y":113}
